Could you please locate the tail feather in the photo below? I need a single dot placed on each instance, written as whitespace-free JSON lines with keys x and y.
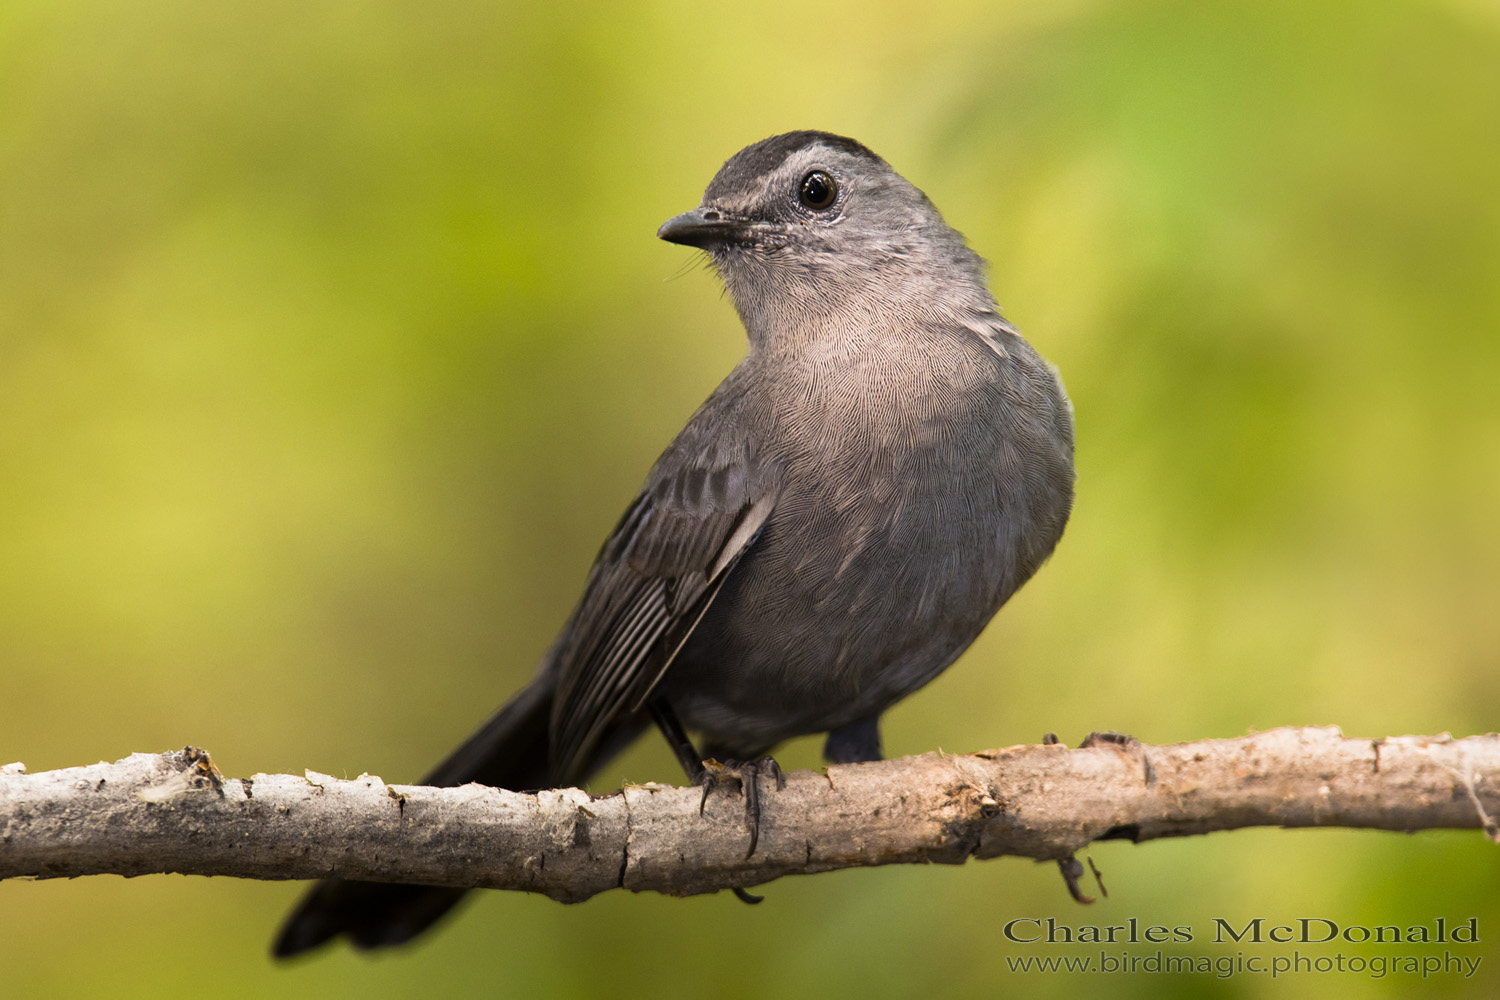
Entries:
{"x":508,"y":751}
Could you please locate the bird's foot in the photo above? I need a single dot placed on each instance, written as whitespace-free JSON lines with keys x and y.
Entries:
{"x":749,"y":774}
{"x":1072,"y":872}
{"x":1128,"y":745}
{"x":1109,"y":738}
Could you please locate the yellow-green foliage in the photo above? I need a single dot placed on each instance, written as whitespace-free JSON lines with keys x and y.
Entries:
{"x":334,"y":337}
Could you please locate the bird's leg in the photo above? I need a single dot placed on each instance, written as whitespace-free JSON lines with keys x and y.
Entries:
{"x":710,"y":773}
{"x":855,"y":743}
{"x":749,"y":774}
{"x":1128,"y":745}
{"x":677,"y":738}
{"x":1071,"y":868}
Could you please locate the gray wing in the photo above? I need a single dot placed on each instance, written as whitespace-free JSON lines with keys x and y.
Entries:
{"x":654,"y":578}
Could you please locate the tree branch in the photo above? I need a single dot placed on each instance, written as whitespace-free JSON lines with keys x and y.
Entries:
{"x":174,"y":812}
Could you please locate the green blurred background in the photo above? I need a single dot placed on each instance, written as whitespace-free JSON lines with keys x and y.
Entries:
{"x":334,"y":338}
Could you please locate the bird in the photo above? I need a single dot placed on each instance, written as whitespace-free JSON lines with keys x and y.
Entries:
{"x":832,"y":528}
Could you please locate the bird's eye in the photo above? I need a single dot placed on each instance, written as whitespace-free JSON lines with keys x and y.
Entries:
{"x":818,"y":190}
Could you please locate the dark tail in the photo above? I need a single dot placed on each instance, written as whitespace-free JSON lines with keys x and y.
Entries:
{"x":509,"y":751}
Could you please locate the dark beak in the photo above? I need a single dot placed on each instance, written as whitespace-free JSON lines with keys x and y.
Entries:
{"x":703,"y":227}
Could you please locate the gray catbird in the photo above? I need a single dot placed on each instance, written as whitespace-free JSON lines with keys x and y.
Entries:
{"x":829,"y":531}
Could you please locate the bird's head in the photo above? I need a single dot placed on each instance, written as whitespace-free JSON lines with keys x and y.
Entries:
{"x":809,"y":226}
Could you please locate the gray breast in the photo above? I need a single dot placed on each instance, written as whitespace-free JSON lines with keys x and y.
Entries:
{"x":914,"y":503}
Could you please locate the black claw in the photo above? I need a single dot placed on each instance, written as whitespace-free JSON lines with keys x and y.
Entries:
{"x":1072,"y":871}
{"x":1098,"y":877}
{"x":1109,"y":738}
{"x":710,"y":775}
{"x":747,"y":897}
{"x":751,"y":784}
{"x":770,"y":764}
{"x":709,"y":779}
{"x":1125,"y":744}
{"x":749,"y":775}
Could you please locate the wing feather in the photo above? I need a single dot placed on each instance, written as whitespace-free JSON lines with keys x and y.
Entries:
{"x":653,"y":580}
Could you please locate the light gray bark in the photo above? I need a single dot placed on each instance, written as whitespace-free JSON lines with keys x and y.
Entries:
{"x":173,"y":812}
